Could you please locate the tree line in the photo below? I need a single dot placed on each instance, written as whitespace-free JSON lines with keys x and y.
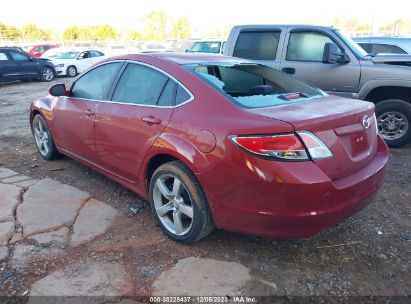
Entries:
{"x":157,"y":26}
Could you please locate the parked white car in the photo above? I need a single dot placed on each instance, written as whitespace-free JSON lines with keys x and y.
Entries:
{"x":212,"y":46}
{"x":72,"y":62}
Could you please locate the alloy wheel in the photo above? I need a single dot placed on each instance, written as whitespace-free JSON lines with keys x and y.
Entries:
{"x":173,"y":204}
{"x":47,"y":74}
{"x":41,"y":136}
{"x":392,"y":125}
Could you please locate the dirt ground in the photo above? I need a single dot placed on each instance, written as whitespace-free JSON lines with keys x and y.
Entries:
{"x":368,"y":255}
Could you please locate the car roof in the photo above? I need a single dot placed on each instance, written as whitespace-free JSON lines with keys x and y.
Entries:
{"x":185,"y":58}
{"x":262,"y":26}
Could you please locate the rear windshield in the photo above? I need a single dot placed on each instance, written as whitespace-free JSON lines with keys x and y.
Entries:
{"x":206,"y":47}
{"x":252,"y":85}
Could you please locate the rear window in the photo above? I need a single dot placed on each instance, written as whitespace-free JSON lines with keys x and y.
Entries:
{"x":257,"y":45}
{"x":206,"y":47}
{"x":251,"y":85}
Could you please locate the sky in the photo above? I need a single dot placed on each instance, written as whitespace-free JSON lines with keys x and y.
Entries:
{"x":205,"y":15}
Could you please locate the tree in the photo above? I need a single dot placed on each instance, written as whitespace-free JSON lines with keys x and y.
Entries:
{"x":9,"y":32}
{"x":71,"y":33}
{"x":32,"y":32}
{"x":133,"y":35}
{"x":104,"y":32}
{"x":181,"y":28}
{"x":155,"y":25}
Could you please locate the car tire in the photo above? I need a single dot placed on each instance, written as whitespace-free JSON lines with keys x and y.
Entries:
{"x":394,"y":122}
{"x":182,"y":212}
{"x":43,"y":139}
{"x":47,"y":74}
{"x":71,"y":71}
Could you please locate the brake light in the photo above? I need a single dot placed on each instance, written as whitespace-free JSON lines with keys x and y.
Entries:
{"x":316,"y":148}
{"x":303,"y":146}
{"x":284,"y":146}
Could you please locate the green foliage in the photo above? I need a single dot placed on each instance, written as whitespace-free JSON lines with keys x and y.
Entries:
{"x":132,"y":35}
{"x":351,"y":25}
{"x":181,"y":28}
{"x":155,"y":26}
{"x":100,"y":32}
{"x":9,"y":32}
{"x":32,"y":32}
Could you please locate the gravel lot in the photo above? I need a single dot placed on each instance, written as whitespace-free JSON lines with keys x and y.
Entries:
{"x":368,"y":255}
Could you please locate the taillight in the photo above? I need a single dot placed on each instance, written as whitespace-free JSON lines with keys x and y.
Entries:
{"x":303,"y":146}
{"x":284,"y":146}
{"x":316,"y":148}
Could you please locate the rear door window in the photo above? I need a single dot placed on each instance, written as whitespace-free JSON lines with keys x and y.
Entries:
{"x":140,"y":84}
{"x":307,"y":46}
{"x":257,"y":45}
{"x":96,"y":83}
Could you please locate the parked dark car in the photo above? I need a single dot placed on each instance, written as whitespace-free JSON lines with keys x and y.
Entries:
{"x":217,"y":141}
{"x":18,"y":65}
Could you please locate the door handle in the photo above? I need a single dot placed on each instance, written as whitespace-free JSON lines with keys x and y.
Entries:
{"x":89,"y":112}
{"x":290,"y":71}
{"x":151,"y":120}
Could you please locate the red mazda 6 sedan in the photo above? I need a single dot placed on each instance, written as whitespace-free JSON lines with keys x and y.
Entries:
{"x":214,"y":141}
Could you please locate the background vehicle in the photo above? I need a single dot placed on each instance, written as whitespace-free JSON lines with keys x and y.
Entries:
{"x":384,"y":45}
{"x":207,"y":46}
{"x":53,"y":52}
{"x":18,"y":65}
{"x":72,"y":62}
{"x":38,"y":49}
{"x":327,"y":58}
{"x":214,"y":141}
{"x":154,"y":48}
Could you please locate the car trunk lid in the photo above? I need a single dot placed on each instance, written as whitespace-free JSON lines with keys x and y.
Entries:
{"x":346,"y":126}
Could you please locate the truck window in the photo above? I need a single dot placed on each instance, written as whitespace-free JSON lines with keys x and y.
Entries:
{"x":307,"y":46}
{"x":380,"y":48}
{"x":257,"y":45}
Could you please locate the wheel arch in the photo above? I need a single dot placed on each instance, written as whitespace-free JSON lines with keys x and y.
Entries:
{"x":170,"y":147}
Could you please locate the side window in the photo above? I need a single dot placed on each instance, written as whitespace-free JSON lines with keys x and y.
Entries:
{"x":257,"y":45}
{"x":96,"y":54}
{"x":182,"y":95}
{"x":366,"y":47}
{"x":84,"y":55}
{"x":307,"y":46}
{"x":3,"y":56}
{"x":96,"y":83}
{"x":168,"y":95}
{"x":17,"y":56}
{"x":140,"y":84}
{"x":386,"y":49}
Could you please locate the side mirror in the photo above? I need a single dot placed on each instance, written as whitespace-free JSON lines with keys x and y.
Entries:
{"x":332,"y":54}
{"x":58,"y":90}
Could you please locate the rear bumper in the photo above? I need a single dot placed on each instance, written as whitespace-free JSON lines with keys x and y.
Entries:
{"x":294,"y":199}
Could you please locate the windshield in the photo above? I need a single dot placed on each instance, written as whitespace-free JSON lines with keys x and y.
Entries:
{"x":355,"y":48}
{"x":252,"y":85}
{"x":206,"y":47}
{"x":67,"y":55}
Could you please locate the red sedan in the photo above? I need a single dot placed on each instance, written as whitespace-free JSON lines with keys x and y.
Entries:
{"x":213,"y":141}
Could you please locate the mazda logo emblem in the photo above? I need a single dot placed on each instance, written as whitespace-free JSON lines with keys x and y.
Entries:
{"x":366,"y":122}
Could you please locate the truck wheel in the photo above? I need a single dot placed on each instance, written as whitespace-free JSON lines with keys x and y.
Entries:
{"x":394,"y":121}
